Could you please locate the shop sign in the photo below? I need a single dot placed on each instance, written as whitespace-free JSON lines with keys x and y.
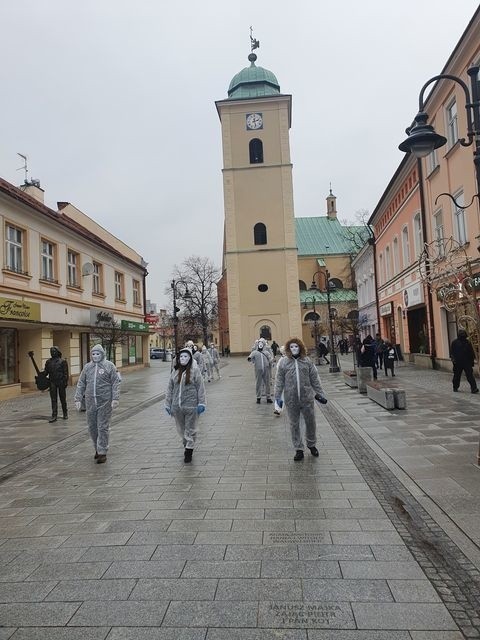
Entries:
{"x":386,"y":309}
{"x":11,"y":309}
{"x":151,"y":318}
{"x":129,"y":325}
{"x":413,"y":295}
{"x":100,"y":317}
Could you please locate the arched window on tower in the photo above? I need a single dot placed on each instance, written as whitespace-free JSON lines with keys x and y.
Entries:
{"x":260,"y":233}
{"x":302,"y":286}
{"x":256,"y":151}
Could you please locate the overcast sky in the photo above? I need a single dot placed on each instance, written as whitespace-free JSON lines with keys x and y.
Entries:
{"x":113,"y":102}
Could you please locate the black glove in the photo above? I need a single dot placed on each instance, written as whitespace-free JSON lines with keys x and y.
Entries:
{"x":321,"y":399}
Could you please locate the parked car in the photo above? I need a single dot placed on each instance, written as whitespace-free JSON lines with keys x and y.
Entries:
{"x":156,"y":353}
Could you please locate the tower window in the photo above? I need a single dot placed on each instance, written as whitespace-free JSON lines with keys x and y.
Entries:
{"x":256,"y":151}
{"x":260,"y":233}
{"x":302,"y":286}
{"x":262,"y":288}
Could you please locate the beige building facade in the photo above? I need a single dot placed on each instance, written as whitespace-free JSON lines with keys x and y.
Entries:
{"x":63,"y":278}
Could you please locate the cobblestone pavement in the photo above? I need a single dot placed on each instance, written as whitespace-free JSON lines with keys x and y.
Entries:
{"x":244,"y":543}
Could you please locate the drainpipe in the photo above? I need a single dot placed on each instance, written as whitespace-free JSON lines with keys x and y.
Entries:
{"x":433,"y":350}
{"x":371,"y":242}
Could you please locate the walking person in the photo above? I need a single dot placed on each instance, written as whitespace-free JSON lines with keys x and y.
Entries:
{"x":298,"y":379}
{"x":463,"y":358}
{"x":207,"y":364}
{"x":261,"y":360}
{"x":56,"y":368}
{"x":274,"y":348}
{"x":99,"y":382}
{"x":368,"y":356}
{"x":213,"y":351}
{"x":379,"y":350}
{"x":185,"y":400}
{"x":389,"y":359}
{"x":322,"y":350}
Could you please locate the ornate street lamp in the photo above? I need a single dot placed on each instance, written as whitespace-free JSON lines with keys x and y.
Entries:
{"x":186,"y":296}
{"x":313,"y":300}
{"x":329,"y":285}
{"x":422,"y":137}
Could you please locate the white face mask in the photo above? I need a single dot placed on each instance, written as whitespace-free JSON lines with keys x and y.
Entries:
{"x":96,"y":356}
{"x":184,"y":359}
{"x":294,"y":349}
{"x":260,"y":346}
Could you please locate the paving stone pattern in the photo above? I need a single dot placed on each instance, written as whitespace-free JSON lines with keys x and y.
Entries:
{"x":243,"y":544}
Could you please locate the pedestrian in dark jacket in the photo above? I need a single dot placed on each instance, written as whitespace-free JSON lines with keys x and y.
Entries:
{"x":57,"y":370}
{"x":368,"y":355}
{"x":389,"y":358}
{"x":322,"y":351}
{"x":463,"y":358}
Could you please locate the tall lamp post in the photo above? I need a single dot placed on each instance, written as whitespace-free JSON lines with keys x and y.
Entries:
{"x":423,"y":139}
{"x":334,"y":367}
{"x":164,"y":324}
{"x":313,"y":300}
{"x":174,"y":284}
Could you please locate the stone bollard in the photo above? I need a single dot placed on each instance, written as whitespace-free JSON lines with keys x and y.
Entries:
{"x":364,"y":374}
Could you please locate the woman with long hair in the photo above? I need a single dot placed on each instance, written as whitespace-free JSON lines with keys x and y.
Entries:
{"x":185,"y":399}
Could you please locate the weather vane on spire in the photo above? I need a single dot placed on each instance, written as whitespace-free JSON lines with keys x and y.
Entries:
{"x":254,"y":44}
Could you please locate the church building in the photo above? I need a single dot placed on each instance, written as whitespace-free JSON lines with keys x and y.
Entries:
{"x":276,"y":268}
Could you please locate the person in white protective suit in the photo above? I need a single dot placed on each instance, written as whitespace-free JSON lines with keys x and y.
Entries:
{"x":277,"y":409}
{"x":197,"y":356}
{"x":207,"y":364}
{"x":298,"y":379}
{"x":185,"y":399}
{"x":262,"y":361}
{"x":213,"y":351}
{"x":99,"y":382}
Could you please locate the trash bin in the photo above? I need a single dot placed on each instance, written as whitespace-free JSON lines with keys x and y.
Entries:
{"x":168,"y":357}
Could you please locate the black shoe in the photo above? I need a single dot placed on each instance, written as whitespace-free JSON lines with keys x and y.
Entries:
{"x":187,"y":456}
{"x":65,"y":416}
{"x":455,"y":389}
{"x":101,"y":458}
{"x":53,"y":419}
{"x":298,"y":456}
{"x":269,"y":401}
{"x":258,"y":400}
{"x":474,"y":390}
{"x":314,"y":451}
{"x":95,"y":456}
{"x":393,"y":375}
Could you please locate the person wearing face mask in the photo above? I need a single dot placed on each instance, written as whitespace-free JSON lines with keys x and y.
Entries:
{"x":185,"y":399}
{"x":207,"y":364}
{"x":57,"y":369}
{"x":213,"y":351}
{"x":99,"y":382}
{"x":298,"y":379}
{"x":262,"y":361}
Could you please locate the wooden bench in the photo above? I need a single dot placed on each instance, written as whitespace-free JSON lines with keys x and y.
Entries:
{"x":387,"y":394}
{"x":350,"y":378}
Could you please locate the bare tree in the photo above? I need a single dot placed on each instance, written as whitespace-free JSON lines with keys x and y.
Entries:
{"x":110,"y":333}
{"x":448,"y":271}
{"x":200,"y":307}
{"x":357,"y":234}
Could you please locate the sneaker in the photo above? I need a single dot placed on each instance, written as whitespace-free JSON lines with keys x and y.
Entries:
{"x":95,"y":456}
{"x":101,"y":458}
{"x":269,"y":401}
{"x":53,"y":419}
{"x":187,"y":456}
{"x":276,"y":412}
{"x":474,"y":390}
{"x":258,"y":400}
{"x":314,"y":451}
{"x":298,"y":456}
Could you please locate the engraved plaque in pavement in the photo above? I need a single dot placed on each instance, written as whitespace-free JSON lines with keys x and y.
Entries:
{"x":286,"y":537}
{"x":310,"y":615}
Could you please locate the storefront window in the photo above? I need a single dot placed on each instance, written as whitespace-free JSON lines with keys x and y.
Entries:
{"x":138,"y":350}
{"x":8,"y":348}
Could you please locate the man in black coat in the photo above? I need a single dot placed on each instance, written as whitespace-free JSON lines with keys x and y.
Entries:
{"x":57,"y":370}
{"x":368,"y":356}
{"x":463,"y":358}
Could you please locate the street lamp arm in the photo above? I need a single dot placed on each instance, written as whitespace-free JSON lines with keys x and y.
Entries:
{"x":469,"y":105}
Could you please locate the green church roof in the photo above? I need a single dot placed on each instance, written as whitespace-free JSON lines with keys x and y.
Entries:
{"x":321,"y":236}
{"x":253,"y":82}
{"x":336,"y":296}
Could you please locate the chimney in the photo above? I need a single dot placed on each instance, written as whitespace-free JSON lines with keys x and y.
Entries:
{"x":33,"y":188}
{"x":331,"y":206}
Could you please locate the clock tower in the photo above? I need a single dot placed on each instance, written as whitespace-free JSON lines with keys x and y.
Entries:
{"x":260,"y":271}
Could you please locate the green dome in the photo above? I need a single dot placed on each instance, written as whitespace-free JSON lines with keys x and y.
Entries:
{"x":253,"y":82}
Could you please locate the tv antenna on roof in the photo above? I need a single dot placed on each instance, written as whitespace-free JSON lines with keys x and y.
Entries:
{"x":25,"y":166}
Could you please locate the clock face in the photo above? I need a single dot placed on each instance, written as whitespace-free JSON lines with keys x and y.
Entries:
{"x":254,"y":121}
